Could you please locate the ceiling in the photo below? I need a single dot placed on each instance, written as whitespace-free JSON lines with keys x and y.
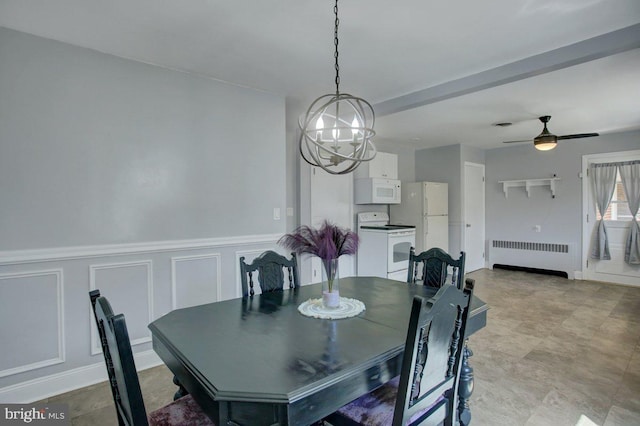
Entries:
{"x":437,"y":73}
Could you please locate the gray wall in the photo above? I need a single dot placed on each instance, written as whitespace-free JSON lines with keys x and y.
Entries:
{"x":472,"y":155}
{"x":146,"y":183}
{"x":96,"y":149}
{"x":560,"y":219}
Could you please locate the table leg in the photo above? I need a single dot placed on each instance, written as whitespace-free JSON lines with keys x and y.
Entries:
{"x":465,"y":387}
{"x":181,"y":390}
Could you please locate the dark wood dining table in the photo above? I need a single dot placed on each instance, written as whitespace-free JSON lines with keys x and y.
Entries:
{"x":258,"y":361}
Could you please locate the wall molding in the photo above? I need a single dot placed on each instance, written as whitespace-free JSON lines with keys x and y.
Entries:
{"x":55,"y":384}
{"x":14,"y":257}
{"x":61,"y":332}
{"x":148,"y":264}
{"x":174,"y":283}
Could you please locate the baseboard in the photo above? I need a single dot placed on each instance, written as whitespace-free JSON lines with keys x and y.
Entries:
{"x":55,"y":384}
{"x":577,"y":275}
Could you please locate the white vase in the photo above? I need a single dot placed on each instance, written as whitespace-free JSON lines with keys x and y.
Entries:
{"x":330,"y":284}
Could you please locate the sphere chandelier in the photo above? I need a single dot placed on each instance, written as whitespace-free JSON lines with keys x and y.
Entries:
{"x":337,"y":129}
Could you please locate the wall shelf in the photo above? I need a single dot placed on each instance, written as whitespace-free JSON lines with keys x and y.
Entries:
{"x":528,"y":183}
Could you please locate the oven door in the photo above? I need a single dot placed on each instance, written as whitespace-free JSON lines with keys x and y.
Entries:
{"x":400,"y":243}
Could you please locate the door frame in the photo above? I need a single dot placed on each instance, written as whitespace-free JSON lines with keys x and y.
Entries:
{"x":483,"y":209}
{"x":606,"y":157}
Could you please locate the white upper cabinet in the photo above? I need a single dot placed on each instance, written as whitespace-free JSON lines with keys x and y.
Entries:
{"x":384,"y":165}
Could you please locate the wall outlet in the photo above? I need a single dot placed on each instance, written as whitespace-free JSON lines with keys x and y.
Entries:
{"x":290,"y":211}
{"x":537,"y":228}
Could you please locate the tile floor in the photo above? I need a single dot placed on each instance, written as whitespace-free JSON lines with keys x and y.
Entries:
{"x":555,"y":352}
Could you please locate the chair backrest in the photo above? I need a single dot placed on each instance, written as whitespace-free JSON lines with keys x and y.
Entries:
{"x":432,"y":357}
{"x":270,"y":266}
{"x":118,"y":357}
{"x":437,"y":267}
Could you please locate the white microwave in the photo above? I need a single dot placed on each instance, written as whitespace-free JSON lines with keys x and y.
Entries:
{"x":377,"y":191}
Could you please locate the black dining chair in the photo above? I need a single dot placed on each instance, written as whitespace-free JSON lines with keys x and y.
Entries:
{"x":270,"y":267}
{"x":426,"y":390}
{"x":435,"y":267}
{"x":123,"y":377}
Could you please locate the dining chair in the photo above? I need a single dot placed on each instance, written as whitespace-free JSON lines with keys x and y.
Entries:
{"x":123,"y":377}
{"x":270,"y":266}
{"x":438,"y":268}
{"x":425,"y":391}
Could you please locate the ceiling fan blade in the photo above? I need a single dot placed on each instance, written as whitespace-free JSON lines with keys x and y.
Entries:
{"x":578,"y":136}
{"x":526,"y":140}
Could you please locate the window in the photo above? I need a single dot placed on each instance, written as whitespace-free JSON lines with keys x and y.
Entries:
{"x":619,"y":207}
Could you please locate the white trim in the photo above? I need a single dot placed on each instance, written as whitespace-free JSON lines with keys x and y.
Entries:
{"x":95,"y":348}
{"x":58,"y":273}
{"x":14,"y":257}
{"x":174,"y":284}
{"x":55,"y":384}
{"x":605,"y":157}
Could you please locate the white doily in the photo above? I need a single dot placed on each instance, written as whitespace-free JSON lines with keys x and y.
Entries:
{"x":348,"y":308}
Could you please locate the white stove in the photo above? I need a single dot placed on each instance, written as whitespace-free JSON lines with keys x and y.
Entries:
{"x":384,"y":248}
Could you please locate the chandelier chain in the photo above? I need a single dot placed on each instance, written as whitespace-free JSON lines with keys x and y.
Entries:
{"x":335,"y":42}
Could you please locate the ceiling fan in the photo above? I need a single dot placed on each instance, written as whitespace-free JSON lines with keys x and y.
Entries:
{"x":547,"y":140}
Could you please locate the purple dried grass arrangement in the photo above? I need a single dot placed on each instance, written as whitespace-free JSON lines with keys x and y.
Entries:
{"x":327,"y":242}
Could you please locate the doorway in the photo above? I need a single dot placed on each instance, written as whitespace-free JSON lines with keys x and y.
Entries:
{"x":615,"y":270}
{"x":474,"y":216}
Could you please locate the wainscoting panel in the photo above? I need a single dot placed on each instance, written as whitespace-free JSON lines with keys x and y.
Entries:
{"x":33,"y":300}
{"x":129,"y":288}
{"x":195,"y":280}
{"x":47,"y":330}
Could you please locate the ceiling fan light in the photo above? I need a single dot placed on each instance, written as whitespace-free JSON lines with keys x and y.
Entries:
{"x":545,"y":142}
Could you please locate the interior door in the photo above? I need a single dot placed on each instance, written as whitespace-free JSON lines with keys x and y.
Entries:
{"x":474,"y":211}
{"x":615,"y":270}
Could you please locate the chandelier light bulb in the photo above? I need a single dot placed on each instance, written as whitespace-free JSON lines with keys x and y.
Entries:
{"x":319,"y":128}
{"x":355,"y":126}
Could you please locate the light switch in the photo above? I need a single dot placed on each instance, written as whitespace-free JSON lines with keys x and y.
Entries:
{"x":276,"y":213}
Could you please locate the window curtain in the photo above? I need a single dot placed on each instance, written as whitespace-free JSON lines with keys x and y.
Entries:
{"x":630,"y":175}
{"x":603,"y":182}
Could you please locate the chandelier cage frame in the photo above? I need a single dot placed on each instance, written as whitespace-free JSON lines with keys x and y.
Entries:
{"x":337,"y":129}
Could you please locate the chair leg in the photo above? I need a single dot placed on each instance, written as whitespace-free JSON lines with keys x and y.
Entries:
{"x":465,"y":387}
{"x":181,"y":390}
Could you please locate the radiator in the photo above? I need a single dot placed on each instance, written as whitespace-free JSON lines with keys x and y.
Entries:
{"x":550,"y":256}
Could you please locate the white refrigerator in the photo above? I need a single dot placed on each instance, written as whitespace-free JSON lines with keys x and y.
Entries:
{"x":426,"y":206}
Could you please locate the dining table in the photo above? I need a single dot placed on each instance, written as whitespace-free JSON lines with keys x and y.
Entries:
{"x":258,"y":361}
